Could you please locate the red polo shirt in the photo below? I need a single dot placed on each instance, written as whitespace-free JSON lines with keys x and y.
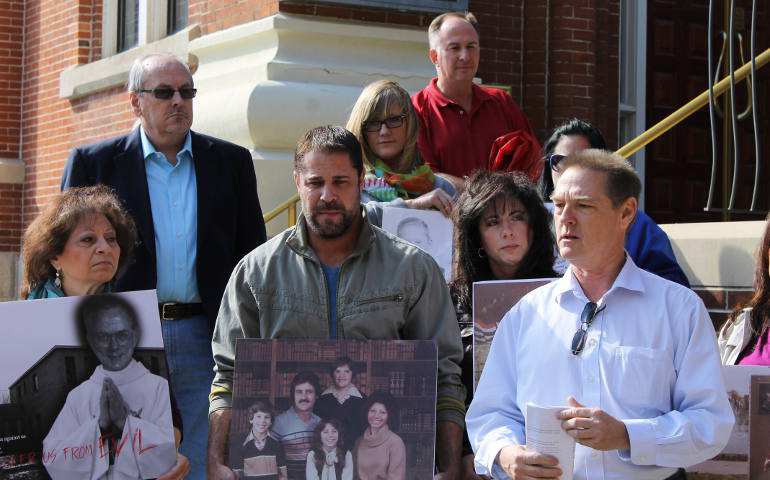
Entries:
{"x":455,"y":142}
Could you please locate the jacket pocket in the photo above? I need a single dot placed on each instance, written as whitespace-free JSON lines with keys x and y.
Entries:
{"x":388,"y":298}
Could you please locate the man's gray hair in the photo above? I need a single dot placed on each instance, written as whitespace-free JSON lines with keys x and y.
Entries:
{"x":138,"y":73}
{"x":437,"y":22}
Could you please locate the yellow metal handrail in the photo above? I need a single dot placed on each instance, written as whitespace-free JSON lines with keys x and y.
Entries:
{"x":694,"y":105}
{"x":289,"y":205}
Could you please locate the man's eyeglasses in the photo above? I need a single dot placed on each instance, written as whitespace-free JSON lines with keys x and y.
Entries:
{"x":588,"y":315}
{"x":166,"y":93}
{"x":372,"y":126}
{"x":554,"y":159}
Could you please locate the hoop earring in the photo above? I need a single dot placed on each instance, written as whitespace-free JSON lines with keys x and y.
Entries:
{"x":57,"y":280}
{"x":481,"y":253}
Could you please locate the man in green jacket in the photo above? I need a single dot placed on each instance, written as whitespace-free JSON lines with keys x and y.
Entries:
{"x":334,"y":275}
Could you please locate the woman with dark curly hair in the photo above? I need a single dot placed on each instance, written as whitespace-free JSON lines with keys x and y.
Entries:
{"x":502,"y":232}
{"x":77,"y":245}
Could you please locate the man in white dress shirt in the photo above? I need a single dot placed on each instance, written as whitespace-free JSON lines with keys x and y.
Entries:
{"x":633,"y":356}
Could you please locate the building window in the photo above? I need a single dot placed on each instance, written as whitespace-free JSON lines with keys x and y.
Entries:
{"x":438,"y":6}
{"x":632,"y":84}
{"x":35,"y":383}
{"x":176,"y":16}
{"x":128,"y":24}
{"x":132,"y":23}
{"x":69,"y":367}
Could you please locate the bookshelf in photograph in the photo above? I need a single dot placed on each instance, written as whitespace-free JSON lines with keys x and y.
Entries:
{"x":264,"y":370}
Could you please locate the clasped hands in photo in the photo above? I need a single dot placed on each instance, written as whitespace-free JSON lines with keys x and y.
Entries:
{"x":591,"y":427}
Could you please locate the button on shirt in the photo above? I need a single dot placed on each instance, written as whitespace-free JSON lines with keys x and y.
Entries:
{"x":174,"y":204}
{"x":650,"y":360}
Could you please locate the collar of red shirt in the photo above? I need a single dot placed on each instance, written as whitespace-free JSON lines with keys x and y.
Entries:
{"x":479,"y":95}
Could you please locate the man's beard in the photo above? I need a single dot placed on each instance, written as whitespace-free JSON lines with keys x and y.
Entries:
{"x":329,"y":228}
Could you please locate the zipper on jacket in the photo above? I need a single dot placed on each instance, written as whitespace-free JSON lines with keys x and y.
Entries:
{"x":390,"y":298}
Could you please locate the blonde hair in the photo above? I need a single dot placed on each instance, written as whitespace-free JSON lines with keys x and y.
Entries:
{"x":374,"y":103}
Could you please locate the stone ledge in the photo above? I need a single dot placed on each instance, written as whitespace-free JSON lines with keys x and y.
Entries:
{"x":718,"y":254}
{"x":85,"y":79}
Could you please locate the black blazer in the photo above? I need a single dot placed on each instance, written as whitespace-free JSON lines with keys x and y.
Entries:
{"x":230,"y":222}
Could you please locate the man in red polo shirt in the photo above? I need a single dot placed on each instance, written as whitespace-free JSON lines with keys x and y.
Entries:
{"x":460,"y":120}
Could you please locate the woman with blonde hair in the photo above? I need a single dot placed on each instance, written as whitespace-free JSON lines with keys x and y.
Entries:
{"x":385,"y":123}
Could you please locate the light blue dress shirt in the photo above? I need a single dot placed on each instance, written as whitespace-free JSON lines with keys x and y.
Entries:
{"x":650,"y":360}
{"x":174,"y":204}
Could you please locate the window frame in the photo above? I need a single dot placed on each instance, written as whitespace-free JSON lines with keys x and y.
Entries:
{"x":436,"y":6}
{"x":153,"y":24}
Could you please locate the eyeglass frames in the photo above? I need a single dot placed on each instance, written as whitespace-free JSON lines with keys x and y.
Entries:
{"x":372,"y":126}
{"x":166,"y":93}
{"x":586,"y":318}
{"x":554,"y":159}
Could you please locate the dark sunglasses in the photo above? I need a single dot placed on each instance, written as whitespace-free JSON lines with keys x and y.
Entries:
{"x":554,"y":159}
{"x":372,"y":126}
{"x":166,"y":93}
{"x":589,"y":313}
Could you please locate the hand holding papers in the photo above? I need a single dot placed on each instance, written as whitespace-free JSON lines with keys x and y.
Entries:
{"x":593,"y":427}
{"x":545,"y":435}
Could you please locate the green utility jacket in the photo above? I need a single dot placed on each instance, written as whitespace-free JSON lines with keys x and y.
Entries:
{"x":388,"y":289}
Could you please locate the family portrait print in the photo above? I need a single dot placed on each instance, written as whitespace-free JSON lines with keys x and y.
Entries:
{"x":333,"y":409}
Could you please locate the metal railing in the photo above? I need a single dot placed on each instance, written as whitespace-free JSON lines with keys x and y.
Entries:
{"x":289,"y":206}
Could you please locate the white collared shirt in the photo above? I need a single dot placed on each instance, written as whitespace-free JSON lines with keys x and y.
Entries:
{"x":650,"y":359}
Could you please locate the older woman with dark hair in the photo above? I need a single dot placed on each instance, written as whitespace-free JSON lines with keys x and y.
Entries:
{"x":385,"y":123}
{"x":502,"y":232}
{"x":77,"y":245}
{"x":380,"y":453}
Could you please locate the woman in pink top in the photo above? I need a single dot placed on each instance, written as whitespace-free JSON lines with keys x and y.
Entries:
{"x":380,"y":453}
{"x":743,"y":339}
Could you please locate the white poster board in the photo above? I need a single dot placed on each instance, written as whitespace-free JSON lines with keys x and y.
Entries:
{"x":57,"y":372}
{"x":428,"y":229}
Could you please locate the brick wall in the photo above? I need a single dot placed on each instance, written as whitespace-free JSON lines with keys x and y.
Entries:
{"x":720,"y":302}
{"x":60,"y":34}
{"x":582,"y":67}
{"x":578,"y":76}
{"x":11,"y":41}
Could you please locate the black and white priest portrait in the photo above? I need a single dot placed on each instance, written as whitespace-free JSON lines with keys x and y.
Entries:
{"x":117,"y":424}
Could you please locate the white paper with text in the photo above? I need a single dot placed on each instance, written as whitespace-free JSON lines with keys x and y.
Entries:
{"x":545,"y":435}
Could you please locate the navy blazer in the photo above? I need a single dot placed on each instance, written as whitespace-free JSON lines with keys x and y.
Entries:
{"x":230,"y":222}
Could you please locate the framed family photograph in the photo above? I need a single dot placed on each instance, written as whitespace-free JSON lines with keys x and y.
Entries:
{"x":341,"y":409}
{"x":85,"y":389}
{"x":491,"y":301}
{"x":733,"y":460}
{"x":759,"y":431}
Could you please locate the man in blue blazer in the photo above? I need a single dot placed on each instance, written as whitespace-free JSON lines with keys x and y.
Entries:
{"x":194,"y":201}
